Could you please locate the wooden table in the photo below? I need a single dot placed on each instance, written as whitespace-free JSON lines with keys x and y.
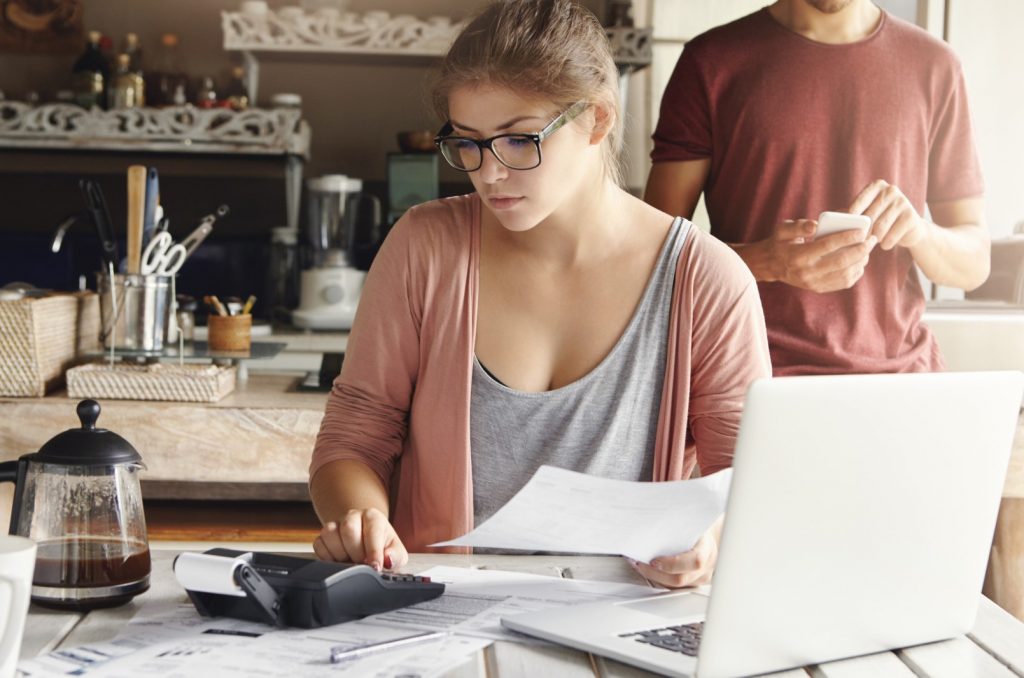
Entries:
{"x":994,"y":649}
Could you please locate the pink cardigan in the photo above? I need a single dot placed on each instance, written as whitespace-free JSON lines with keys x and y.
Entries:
{"x":401,"y":402}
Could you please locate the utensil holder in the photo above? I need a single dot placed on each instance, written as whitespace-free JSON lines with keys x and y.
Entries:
{"x":134,"y":310}
{"x":229,"y":332}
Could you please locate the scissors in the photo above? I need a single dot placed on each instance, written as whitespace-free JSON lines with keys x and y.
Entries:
{"x":163,"y":256}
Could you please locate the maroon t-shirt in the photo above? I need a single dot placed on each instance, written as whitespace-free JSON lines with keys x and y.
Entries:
{"x":795,"y":127}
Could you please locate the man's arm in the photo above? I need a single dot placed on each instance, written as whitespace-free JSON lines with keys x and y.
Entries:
{"x":953,"y":250}
{"x":956,"y":249}
{"x":675,"y":187}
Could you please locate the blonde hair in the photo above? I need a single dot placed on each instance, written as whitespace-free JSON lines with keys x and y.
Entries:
{"x":549,"y":49}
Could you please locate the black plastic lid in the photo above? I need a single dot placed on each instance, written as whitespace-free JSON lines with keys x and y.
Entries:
{"x":87,"y":446}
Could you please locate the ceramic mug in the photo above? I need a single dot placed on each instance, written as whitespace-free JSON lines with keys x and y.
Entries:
{"x":17,"y":563}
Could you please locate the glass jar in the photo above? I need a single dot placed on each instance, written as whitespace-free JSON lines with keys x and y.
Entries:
{"x":283,"y":274}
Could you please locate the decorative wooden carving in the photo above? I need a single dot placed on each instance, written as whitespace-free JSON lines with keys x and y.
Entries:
{"x":181,"y":128}
{"x":630,"y":46}
{"x":292,"y":29}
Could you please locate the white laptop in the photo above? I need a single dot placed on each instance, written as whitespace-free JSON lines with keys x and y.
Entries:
{"x":860,"y":519}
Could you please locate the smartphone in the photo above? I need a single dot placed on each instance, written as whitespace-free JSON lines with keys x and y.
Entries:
{"x":835,"y":222}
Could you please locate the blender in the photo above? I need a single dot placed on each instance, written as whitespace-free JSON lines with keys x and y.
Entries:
{"x":339,"y":215}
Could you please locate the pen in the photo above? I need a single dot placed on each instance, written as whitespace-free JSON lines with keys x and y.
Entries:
{"x":344,"y":653}
{"x":248,"y":304}
{"x":213,"y":302}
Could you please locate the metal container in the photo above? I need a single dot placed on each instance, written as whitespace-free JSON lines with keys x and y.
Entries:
{"x":134,"y":310}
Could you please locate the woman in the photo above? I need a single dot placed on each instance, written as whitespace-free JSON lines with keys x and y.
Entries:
{"x":550,"y":317}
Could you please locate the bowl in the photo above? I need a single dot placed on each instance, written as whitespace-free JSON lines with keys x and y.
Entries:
{"x":416,"y":141}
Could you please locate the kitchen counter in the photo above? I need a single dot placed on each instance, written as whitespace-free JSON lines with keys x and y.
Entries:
{"x":253,"y":444}
{"x":303,"y":351}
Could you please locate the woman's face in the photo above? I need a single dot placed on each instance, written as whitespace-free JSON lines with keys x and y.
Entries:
{"x":521,"y":199}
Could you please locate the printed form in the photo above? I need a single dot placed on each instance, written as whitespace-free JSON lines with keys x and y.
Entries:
{"x":168,"y":639}
{"x":569,"y":512}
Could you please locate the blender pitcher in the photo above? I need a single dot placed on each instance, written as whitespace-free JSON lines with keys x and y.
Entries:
{"x":79,"y":498}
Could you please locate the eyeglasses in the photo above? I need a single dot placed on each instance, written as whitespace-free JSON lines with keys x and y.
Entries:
{"x":515,"y":151}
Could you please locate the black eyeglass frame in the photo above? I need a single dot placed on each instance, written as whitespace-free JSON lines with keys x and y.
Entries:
{"x":563,"y":119}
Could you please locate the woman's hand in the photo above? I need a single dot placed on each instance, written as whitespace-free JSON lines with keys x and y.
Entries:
{"x":691,"y":568}
{"x":362,"y":536}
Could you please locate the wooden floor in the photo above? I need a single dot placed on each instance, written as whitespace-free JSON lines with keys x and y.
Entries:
{"x":226,"y":521}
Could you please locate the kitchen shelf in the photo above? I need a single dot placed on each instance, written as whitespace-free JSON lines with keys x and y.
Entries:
{"x":178,"y":129}
{"x":292,"y":33}
{"x":254,"y":132}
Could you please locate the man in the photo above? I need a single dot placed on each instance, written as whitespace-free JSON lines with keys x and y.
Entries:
{"x":814,"y":105}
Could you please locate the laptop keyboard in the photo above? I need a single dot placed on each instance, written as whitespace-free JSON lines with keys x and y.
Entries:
{"x":684,"y":638}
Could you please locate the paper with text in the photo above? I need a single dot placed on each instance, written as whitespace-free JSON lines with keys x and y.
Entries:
{"x":569,"y":512}
{"x":474,"y":601}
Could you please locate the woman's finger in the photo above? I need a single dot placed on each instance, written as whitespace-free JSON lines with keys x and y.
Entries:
{"x":351,"y":531}
{"x":375,"y":536}
{"x":395,"y":553}
{"x":331,"y":541}
{"x":320,"y":550}
{"x":667,"y":579}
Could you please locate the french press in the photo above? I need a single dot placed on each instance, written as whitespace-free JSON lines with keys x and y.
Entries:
{"x":79,"y":498}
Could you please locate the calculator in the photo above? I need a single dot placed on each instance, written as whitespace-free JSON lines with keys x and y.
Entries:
{"x":296,"y":591}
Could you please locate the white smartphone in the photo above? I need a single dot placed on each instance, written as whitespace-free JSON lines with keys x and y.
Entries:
{"x":835,"y":222}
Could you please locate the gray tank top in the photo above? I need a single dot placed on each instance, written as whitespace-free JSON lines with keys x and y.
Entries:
{"x":603,"y":424}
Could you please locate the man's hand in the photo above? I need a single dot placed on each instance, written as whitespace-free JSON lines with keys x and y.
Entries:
{"x":834,"y":262}
{"x":894,"y":221}
{"x":692,"y":568}
{"x":362,"y":536}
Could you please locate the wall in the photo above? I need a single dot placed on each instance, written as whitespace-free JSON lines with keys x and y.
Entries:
{"x":986,"y":36}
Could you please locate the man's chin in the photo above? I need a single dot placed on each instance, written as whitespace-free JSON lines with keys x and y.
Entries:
{"x":829,"y":6}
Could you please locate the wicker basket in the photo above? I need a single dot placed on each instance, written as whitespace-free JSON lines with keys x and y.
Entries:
{"x":41,"y":337}
{"x":159,"y":381}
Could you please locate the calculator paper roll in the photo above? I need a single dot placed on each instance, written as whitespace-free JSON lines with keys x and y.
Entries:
{"x":210,"y":574}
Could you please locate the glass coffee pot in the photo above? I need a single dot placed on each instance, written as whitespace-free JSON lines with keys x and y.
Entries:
{"x":79,"y":498}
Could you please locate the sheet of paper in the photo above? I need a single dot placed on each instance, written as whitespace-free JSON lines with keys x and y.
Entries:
{"x":156,"y":623}
{"x":295,"y":653}
{"x":474,"y":601}
{"x":173,"y":641}
{"x":569,"y":512}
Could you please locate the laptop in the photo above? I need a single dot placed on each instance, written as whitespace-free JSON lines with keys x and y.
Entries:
{"x":860,"y":519}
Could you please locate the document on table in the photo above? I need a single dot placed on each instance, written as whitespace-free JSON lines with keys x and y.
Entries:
{"x":298,"y":652}
{"x":569,"y":512}
{"x":167,"y":639}
{"x":156,"y":623}
{"x":474,"y":601}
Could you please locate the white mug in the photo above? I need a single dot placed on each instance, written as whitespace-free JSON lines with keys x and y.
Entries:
{"x":17,"y":564}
